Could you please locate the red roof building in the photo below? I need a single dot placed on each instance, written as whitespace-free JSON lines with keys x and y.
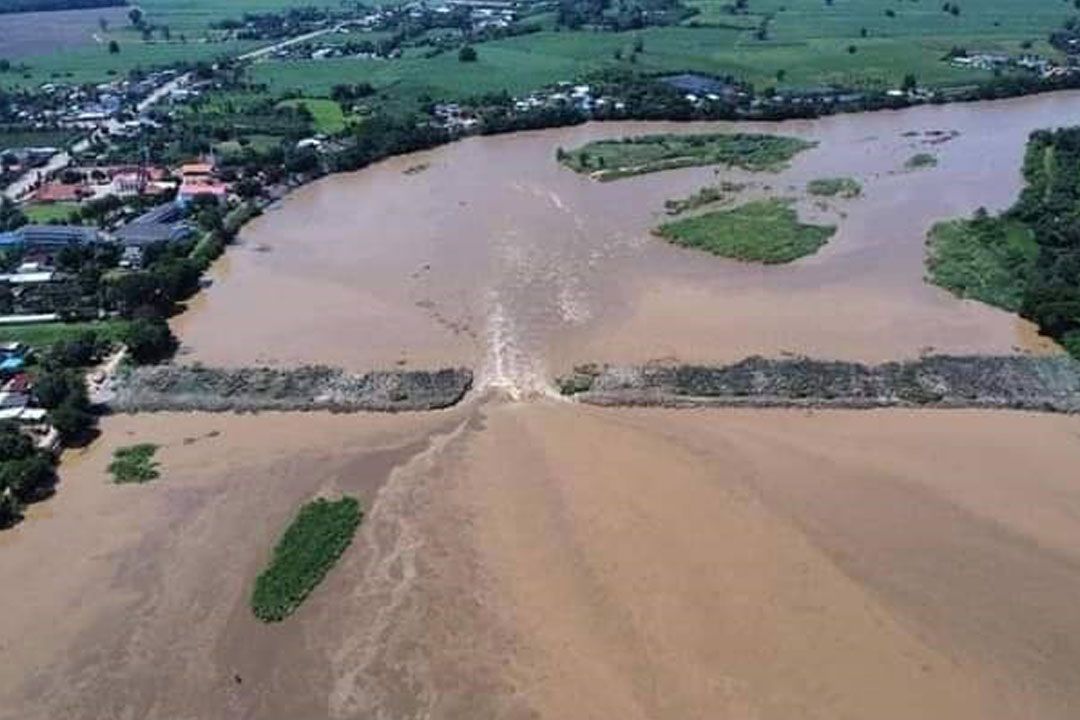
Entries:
{"x":60,"y":192}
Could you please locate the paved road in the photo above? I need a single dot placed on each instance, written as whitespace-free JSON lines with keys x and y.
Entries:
{"x":23,"y":185}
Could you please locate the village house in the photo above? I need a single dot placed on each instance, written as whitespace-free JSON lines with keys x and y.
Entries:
{"x":198,"y":180}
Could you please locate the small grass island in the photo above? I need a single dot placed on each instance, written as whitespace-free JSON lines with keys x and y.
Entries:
{"x":134,"y":464}
{"x":842,"y":187}
{"x":920,"y":161}
{"x":308,"y":549}
{"x":613,"y":159}
{"x":765,"y":231}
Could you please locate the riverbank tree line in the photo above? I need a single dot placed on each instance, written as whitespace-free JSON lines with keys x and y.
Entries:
{"x":1026,"y":259}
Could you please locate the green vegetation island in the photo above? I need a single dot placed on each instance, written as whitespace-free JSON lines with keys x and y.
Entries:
{"x":135,"y":464}
{"x":765,"y":231}
{"x":1026,"y":259}
{"x":842,"y":187}
{"x":920,"y":161}
{"x":614,"y":159}
{"x":308,"y":549}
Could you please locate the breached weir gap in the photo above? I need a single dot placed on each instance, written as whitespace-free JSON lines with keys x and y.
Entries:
{"x":1045,"y":384}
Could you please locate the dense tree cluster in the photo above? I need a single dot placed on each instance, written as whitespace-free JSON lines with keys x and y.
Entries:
{"x":382,"y":136}
{"x":26,"y":473}
{"x":11,"y":216}
{"x":1050,"y":206}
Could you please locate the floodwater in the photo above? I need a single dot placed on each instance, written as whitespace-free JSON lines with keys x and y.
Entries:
{"x":525,"y":557}
{"x":547,"y":560}
{"x":498,"y":258}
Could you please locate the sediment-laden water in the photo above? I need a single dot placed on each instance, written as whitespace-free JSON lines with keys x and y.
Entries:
{"x":527,"y":556}
{"x":498,"y":258}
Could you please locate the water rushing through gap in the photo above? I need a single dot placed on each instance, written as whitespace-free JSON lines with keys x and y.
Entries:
{"x":499,"y":259}
{"x":509,"y":368}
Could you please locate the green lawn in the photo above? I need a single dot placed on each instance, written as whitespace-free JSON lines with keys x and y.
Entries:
{"x":808,"y":42}
{"x":45,"y":212}
{"x":41,"y":336}
{"x":765,"y":231}
{"x":328,"y":115}
{"x":613,"y":159}
{"x":96,"y":64}
{"x":990,"y":260}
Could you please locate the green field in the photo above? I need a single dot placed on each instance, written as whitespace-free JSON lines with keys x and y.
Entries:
{"x":41,"y":336}
{"x":327,"y":113}
{"x":765,"y":231}
{"x":614,"y":159}
{"x":310,"y":546}
{"x":989,"y":259}
{"x":51,"y":211}
{"x":808,"y":43}
{"x":808,"y":40}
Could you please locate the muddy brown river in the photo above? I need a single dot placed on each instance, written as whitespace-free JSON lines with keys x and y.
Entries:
{"x":497,"y":257}
{"x":526,"y":557}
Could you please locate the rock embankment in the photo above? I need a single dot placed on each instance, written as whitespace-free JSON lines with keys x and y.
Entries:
{"x":1016,"y":382}
{"x":193,"y":387}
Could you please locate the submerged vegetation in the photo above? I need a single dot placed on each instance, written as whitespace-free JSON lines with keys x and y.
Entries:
{"x":27,"y":474}
{"x":135,"y":464}
{"x":614,"y":159}
{"x":766,"y":231}
{"x":705,"y":196}
{"x":1028,"y":258}
{"x":920,"y":161}
{"x":843,"y":187}
{"x":312,"y":543}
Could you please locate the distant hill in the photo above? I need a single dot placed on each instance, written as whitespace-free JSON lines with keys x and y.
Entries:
{"x":20,"y":6}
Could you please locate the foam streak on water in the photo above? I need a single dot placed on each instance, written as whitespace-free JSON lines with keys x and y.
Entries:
{"x":509,"y":367}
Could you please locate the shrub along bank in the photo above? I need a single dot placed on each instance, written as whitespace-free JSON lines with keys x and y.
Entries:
{"x":134,"y":464}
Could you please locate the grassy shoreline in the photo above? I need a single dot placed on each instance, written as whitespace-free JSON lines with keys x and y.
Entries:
{"x":986,"y":259}
{"x":764,"y":231}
